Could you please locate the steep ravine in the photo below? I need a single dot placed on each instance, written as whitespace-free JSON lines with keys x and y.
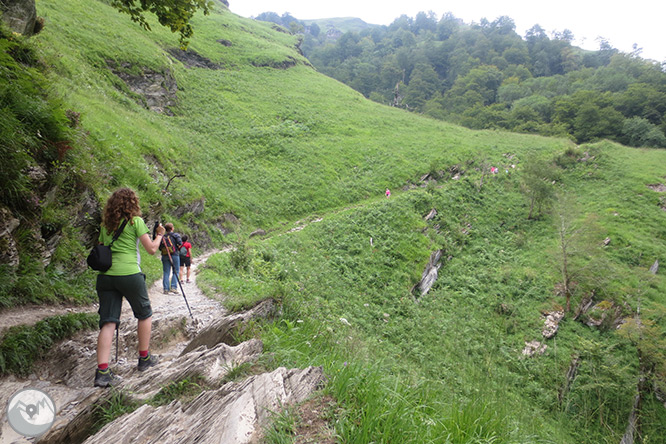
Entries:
{"x":232,"y":413}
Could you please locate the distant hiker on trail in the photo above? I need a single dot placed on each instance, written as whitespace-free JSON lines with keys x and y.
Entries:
{"x":122,"y":213}
{"x":186,"y":259}
{"x":388,"y":193}
{"x":169,"y":247}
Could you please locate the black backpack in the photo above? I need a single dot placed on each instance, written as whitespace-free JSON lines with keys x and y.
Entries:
{"x":99,"y":258}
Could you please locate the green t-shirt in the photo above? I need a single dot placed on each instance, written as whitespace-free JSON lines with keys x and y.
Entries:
{"x":125,"y":250}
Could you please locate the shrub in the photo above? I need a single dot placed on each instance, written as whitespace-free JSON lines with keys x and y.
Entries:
{"x":22,"y":345}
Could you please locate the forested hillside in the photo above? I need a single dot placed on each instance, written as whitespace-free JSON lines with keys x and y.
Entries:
{"x":508,"y":291}
{"x":485,"y":75}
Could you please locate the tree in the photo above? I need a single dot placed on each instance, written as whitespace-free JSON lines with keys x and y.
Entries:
{"x":365,"y":79}
{"x":537,"y":183}
{"x":175,"y":14}
{"x":315,"y":30}
{"x":425,"y":22}
{"x":423,"y":83}
{"x":535,"y":105}
{"x":512,"y":90}
{"x":644,"y":332}
{"x":640,"y":132}
{"x":580,"y":260}
{"x":447,"y":26}
{"x":594,"y":122}
{"x":483,"y":81}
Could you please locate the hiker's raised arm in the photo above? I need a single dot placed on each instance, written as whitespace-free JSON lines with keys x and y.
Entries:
{"x":152,"y":245}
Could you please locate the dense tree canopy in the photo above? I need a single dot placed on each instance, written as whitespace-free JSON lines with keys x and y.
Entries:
{"x":484,"y":75}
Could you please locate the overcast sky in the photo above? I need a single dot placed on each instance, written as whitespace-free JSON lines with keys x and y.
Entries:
{"x":640,"y":21}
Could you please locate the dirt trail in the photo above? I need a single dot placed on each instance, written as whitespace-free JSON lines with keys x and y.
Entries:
{"x":28,"y":315}
{"x":67,"y":373}
{"x":31,"y":314}
{"x":174,"y":304}
{"x":71,"y":384}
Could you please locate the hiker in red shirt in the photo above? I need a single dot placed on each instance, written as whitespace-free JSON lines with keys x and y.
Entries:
{"x":185,"y":259}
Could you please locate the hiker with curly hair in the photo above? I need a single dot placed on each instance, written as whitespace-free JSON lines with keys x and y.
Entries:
{"x":124,"y":279}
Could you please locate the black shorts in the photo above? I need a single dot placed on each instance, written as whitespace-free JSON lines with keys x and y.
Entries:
{"x":185,"y":261}
{"x":111,"y":289}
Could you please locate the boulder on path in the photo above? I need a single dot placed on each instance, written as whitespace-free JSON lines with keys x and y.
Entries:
{"x":223,"y":329}
{"x":212,"y":364}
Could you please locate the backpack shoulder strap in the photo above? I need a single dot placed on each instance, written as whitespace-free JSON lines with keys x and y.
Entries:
{"x":118,"y":232}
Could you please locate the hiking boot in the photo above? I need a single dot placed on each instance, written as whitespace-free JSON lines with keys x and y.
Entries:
{"x":105,"y":378}
{"x":166,"y":291}
{"x":174,"y":291}
{"x":147,"y":362}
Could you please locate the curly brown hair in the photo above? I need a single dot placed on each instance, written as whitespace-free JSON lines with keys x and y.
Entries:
{"x":123,"y":204}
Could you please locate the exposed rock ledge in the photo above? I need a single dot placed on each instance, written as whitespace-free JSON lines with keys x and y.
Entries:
{"x":236,"y":412}
{"x":233,"y":414}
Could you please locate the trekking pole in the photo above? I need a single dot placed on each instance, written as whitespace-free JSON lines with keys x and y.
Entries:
{"x":174,"y":271}
{"x":117,"y":342}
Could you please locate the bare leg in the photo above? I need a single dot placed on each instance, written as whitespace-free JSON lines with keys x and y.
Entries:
{"x":188,"y":274}
{"x":104,"y":340}
{"x":143,"y":329}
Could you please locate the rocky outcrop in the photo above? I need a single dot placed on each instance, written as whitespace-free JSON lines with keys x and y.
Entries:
{"x":602,"y":314}
{"x":88,"y":217}
{"x":157,"y":89}
{"x":196,"y":208}
{"x":210,"y":364}
{"x":552,"y":323}
{"x":223,"y":329}
{"x":429,"y":275}
{"x":233,"y":414}
{"x":258,"y":232}
{"x":286,"y":63}
{"x":19,"y":15}
{"x":192,"y":59}
{"x":655,"y":267}
{"x":533,"y":348}
{"x":8,"y":248}
{"x":431,"y":215}
{"x":203,"y":349}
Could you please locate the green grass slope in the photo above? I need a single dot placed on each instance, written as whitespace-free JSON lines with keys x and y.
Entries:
{"x":267,"y":144}
{"x":269,"y":139}
{"x":448,"y":366}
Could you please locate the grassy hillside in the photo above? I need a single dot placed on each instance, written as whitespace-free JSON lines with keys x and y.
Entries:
{"x":280,"y":143}
{"x":449,"y":363}
{"x":266,"y":138}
